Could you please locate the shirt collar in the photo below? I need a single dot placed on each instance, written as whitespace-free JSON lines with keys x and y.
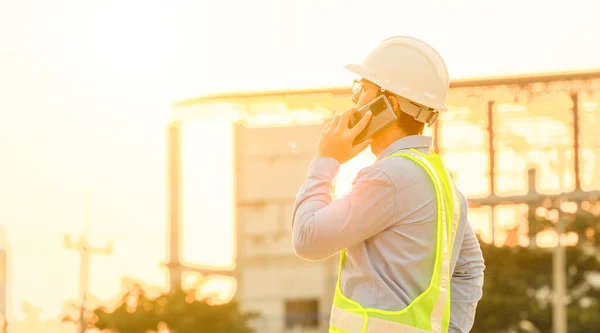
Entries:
{"x":411,"y":141}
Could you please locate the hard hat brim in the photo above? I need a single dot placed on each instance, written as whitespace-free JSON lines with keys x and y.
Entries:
{"x":365,"y":73}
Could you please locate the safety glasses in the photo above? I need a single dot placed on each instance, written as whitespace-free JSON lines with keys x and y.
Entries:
{"x":358,"y":87}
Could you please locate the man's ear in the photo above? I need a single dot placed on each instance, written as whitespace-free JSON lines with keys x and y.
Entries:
{"x":394,"y":103}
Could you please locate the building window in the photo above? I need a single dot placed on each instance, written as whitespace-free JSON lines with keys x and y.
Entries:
{"x":302,"y":313}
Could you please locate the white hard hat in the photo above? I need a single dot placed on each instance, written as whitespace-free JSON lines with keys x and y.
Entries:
{"x":412,"y":69}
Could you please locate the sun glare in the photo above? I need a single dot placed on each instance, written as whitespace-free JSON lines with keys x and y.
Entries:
{"x":207,"y":191}
{"x":349,"y":170}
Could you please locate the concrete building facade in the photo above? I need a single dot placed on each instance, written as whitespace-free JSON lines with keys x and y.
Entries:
{"x":494,"y":131}
{"x":271,"y":164}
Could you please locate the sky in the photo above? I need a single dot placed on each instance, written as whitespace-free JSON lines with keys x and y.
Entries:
{"x":87,"y":87}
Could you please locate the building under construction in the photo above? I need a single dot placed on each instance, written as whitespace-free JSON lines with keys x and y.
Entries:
{"x":508,"y":141}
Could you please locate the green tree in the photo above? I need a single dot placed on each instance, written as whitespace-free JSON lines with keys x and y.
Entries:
{"x":518,"y":283}
{"x":178,"y":311}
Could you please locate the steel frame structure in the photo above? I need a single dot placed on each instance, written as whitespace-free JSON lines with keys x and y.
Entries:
{"x":514,"y":87}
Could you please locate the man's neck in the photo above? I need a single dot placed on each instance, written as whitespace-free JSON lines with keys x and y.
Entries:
{"x":384,"y":140}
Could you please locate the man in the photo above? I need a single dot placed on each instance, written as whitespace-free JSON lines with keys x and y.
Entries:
{"x":409,"y":261}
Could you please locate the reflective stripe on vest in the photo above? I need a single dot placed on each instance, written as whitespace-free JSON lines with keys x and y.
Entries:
{"x":430,"y":311}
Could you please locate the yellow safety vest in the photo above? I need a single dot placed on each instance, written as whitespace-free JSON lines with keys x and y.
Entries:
{"x":430,"y":311}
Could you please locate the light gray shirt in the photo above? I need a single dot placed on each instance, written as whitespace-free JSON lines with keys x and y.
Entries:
{"x":388,"y":223}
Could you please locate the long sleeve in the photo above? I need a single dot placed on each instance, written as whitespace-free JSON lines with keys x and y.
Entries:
{"x":467,"y":280}
{"x":323,"y":226}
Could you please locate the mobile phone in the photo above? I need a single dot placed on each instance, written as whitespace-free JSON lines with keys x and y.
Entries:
{"x":382,"y":115}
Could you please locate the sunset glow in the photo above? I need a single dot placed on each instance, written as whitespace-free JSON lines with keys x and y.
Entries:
{"x":88,"y":88}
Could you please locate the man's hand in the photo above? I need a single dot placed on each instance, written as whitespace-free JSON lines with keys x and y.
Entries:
{"x":336,"y":138}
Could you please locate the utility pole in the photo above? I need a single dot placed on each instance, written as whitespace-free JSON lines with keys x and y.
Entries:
{"x":559,"y":281}
{"x":559,"y":266}
{"x":85,"y":250}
